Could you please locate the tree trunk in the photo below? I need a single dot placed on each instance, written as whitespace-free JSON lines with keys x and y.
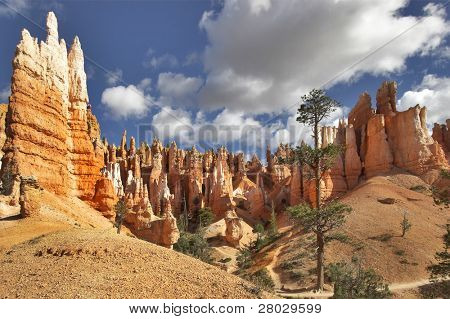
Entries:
{"x":320,"y":257}
{"x":317,"y":168}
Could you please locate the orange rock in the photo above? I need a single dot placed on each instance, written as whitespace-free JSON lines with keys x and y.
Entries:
{"x":353,"y":164}
{"x":234,"y":228}
{"x":413,"y":148}
{"x":105,"y":197}
{"x":379,"y":157}
{"x":49,"y":135}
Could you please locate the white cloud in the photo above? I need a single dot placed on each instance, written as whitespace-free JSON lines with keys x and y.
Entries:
{"x":4,"y":94}
{"x":11,"y":7}
{"x":175,"y":124}
{"x":114,"y":77}
{"x":281,"y":49}
{"x":434,"y":93}
{"x":123,"y":102}
{"x":145,"y":84}
{"x":166,"y":60}
{"x":177,"y":89}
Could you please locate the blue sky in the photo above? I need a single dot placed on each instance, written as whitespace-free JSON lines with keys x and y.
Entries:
{"x":241,"y":63}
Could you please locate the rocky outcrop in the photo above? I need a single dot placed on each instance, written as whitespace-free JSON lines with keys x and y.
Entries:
{"x":387,"y":98}
{"x":234,"y":228}
{"x":352,"y":160}
{"x":105,"y":197}
{"x":378,"y":159}
{"x":441,"y":134}
{"x":49,"y":127}
{"x":412,"y":147}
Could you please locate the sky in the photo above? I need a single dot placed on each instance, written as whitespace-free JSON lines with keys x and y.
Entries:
{"x":232,"y":72}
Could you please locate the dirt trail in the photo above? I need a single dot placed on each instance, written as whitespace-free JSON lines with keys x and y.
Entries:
{"x":274,"y":263}
{"x":327,"y":294}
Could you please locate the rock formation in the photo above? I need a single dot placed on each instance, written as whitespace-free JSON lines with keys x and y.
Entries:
{"x":49,"y":126}
{"x":234,"y":229}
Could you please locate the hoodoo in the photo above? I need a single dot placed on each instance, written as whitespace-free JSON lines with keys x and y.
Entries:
{"x":50,"y":132}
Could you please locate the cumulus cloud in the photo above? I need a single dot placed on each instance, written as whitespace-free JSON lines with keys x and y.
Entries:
{"x":114,"y":77}
{"x":281,"y":49}
{"x":158,"y":61}
{"x":177,"y":89}
{"x":123,"y":102}
{"x":434,"y":93}
{"x":4,"y":94}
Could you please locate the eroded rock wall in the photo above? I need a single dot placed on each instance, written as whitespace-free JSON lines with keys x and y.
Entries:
{"x":48,"y":121}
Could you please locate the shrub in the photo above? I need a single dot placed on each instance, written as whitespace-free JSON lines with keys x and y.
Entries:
{"x":244,"y":259}
{"x":205,"y":217}
{"x":262,"y":279}
{"x":194,"y":245}
{"x":406,"y":225}
{"x":351,"y":281}
{"x":7,"y":182}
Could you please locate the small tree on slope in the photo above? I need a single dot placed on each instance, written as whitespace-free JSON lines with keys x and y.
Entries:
{"x":320,"y":219}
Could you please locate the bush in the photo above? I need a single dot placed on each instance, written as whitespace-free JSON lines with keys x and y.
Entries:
{"x":262,"y":279}
{"x":244,"y":259}
{"x":205,"y":217}
{"x":7,"y":181}
{"x":351,"y":281}
{"x":406,"y":225}
{"x":194,"y":245}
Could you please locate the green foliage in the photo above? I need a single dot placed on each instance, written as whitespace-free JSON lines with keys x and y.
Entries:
{"x":322,"y":158}
{"x":263,"y":238}
{"x":244,"y":259}
{"x":261,"y":278}
{"x":320,"y":220}
{"x":351,"y":281}
{"x":445,"y":173}
{"x":205,"y":217}
{"x":405,"y":224}
{"x":340,"y":237}
{"x":316,"y":107}
{"x":194,"y":245}
{"x":121,"y":209}
{"x":7,"y":180}
{"x":441,"y":270}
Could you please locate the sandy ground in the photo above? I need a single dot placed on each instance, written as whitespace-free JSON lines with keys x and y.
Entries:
{"x":70,"y":251}
{"x":373,"y":234}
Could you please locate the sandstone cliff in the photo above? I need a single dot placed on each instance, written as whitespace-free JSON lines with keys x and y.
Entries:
{"x":48,"y":134}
